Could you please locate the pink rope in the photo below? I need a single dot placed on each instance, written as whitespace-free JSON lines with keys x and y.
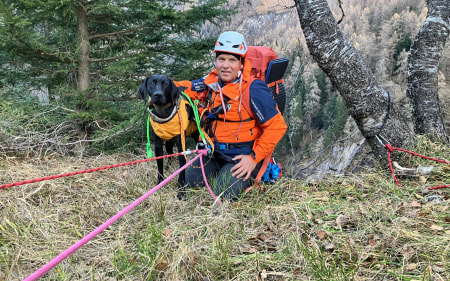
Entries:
{"x":207,"y":185}
{"x":43,"y":270}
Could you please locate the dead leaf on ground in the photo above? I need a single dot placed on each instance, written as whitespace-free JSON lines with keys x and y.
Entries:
{"x":262,"y":236}
{"x":329,"y":246}
{"x":249,"y":250}
{"x":344,"y":221}
{"x":436,"y":227}
{"x":410,"y":266}
{"x":408,"y":251}
{"x":321,"y":234}
{"x":163,"y":262}
{"x":412,"y":214}
{"x":236,"y":205}
{"x":167,"y":232}
{"x":438,"y":268}
{"x":415,"y":204}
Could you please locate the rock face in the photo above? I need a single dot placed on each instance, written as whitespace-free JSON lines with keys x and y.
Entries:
{"x":345,"y":156}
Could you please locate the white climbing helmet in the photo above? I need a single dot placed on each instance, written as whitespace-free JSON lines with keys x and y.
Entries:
{"x":231,"y":42}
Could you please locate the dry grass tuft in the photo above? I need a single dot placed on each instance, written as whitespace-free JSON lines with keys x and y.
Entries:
{"x":358,"y":227}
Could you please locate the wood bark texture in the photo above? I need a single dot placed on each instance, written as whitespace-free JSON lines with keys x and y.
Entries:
{"x":368,"y":103}
{"x":423,"y":67}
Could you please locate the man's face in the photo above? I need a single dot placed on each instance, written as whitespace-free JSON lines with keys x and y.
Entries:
{"x":227,"y":67}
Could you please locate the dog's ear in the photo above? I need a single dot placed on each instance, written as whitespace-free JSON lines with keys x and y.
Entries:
{"x":174,"y":91}
{"x":143,"y":90}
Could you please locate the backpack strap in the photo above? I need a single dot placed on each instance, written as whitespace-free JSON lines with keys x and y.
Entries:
{"x":265,"y":163}
{"x":246,"y":99}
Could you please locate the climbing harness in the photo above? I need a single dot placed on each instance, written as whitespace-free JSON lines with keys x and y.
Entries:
{"x":168,"y":128}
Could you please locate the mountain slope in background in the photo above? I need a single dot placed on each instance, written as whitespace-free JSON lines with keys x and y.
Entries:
{"x":382,"y":32}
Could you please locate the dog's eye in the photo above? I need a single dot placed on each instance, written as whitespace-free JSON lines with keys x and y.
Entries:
{"x":152,"y":83}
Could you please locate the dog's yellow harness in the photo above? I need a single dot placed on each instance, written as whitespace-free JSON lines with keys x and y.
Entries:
{"x":167,"y":128}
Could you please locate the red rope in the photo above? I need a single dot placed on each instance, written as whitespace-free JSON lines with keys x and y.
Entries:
{"x":93,"y":170}
{"x":390,"y":149}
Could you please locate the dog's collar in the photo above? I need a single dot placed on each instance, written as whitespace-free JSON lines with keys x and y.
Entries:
{"x":160,"y":120}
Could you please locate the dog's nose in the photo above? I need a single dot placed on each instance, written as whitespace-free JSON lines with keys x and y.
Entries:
{"x":158,"y":94}
{"x":158,"y":98}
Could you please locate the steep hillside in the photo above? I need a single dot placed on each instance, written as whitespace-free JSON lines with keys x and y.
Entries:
{"x":350,"y":228}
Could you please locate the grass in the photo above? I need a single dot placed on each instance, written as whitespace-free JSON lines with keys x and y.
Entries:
{"x":354,"y":227}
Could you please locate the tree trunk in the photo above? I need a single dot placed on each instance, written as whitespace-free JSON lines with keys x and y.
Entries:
{"x":368,"y":103}
{"x":423,"y":67}
{"x":84,"y":78}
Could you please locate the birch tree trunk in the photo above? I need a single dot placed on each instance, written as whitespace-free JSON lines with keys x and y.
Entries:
{"x":368,"y":103}
{"x":423,"y":67}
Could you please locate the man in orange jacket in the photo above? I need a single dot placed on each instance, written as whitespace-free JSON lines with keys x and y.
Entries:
{"x":241,"y":142}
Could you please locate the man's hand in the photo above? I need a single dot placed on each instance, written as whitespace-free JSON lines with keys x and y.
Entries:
{"x":244,"y":167}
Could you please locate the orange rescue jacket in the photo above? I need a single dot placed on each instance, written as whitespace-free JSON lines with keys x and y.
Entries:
{"x":236,"y":125}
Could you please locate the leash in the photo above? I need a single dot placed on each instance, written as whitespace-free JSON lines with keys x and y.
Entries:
{"x":390,"y":149}
{"x":4,"y":186}
{"x":205,"y":138}
{"x":43,"y":270}
{"x":149,"y":149}
{"x":209,"y":188}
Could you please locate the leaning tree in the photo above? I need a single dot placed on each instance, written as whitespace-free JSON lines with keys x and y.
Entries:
{"x":367,"y":102}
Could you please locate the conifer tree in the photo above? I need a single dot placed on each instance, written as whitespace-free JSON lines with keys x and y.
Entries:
{"x":99,"y":51}
{"x":91,"y":56}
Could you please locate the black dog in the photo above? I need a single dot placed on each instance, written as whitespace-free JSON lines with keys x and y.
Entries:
{"x":164,"y":97}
